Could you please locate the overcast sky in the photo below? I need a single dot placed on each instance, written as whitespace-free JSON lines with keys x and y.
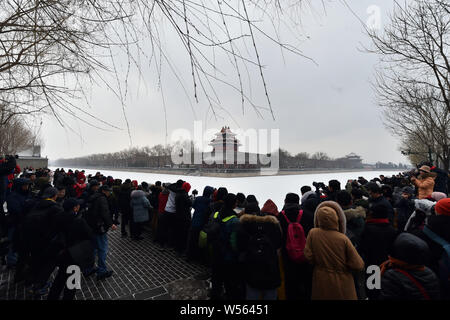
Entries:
{"x":328,"y":106}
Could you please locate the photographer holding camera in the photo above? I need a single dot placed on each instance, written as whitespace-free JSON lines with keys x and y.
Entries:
{"x":424,"y":182}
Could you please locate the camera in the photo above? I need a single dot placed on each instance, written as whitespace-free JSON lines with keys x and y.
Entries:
{"x":318,"y":185}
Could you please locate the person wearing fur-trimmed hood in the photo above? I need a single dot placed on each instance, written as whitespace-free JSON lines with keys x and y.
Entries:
{"x":259,"y":238}
{"x":332,"y":254}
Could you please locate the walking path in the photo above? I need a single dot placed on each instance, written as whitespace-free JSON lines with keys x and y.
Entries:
{"x":142,"y":271}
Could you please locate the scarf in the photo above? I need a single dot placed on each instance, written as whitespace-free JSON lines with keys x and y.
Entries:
{"x":396,"y":263}
{"x":377,"y":220}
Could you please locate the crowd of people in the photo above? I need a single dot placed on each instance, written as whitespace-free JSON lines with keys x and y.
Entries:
{"x":318,"y":244}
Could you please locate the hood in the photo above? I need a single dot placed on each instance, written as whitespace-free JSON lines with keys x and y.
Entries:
{"x":424,"y":205}
{"x":357,"y":212}
{"x":411,"y":249}
{"x":186,"y":186}
{"x":250,"y":218}
{"x":270,"y":207}
{"x":306,"y":196}
{"x":137,"y":194}
{"x":330,"y":216}
{"x":208,"y":191}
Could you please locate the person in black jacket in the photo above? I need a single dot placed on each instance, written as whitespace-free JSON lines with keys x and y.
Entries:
{"x":405,"y":208}
{"x":75,"y":235}
{"x":298,"y":277}
{"x":40,"y":233}
{"x":100,"y":220}
{"x":377,"y":198}
{"x":376,"y":240}
{"x":404,"y":276}
{"x":183,"y":205}
{"x":258,"y":240}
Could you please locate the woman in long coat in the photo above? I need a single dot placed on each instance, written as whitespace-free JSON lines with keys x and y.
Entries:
{"x":332,"y":254}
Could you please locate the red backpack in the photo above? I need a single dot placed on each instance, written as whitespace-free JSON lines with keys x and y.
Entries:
{"x":295,"y":241}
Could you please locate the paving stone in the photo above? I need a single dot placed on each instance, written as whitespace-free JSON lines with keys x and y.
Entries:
{"x":140,"y":269}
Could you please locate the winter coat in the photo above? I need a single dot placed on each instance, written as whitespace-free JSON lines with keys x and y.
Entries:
{"x":40,"y":227}
{"x":405,"y":208}
{"x":332,"y":254}
{"x":382,"y":201}
{"x":440,"y":225}
{"x":162,"y":200}
{"x":225,"y":250}
{"x":183,"y":204}
{"x":355,"y":217}
{"x":18,"y":202}
{"x":139,"y":206}
{"x":125,"y":199}
{"x":396,"y":285}
{"x":99,"y":216}
{"x":425,"y":187}
{"x":376,"y":241}
{"x":200,"y":207}
{"x":265,"y":275}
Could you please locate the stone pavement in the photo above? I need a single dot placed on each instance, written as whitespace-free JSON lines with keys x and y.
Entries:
{"x":142,"y":271}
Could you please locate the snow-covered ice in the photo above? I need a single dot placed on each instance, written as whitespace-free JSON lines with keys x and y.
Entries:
{"x":263,"y":187}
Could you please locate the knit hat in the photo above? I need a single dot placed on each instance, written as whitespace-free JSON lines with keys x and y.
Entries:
{"x":443,"y":207}
{"x":252,"y":208}
{"x":292,"y":198}
{"x":438,"y":196}
{"x":186,"y":186}
{"x":408,"y":190}
{"x":50,"y":192}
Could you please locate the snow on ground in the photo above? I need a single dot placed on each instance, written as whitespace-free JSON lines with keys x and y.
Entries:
{"x":264,"y":187}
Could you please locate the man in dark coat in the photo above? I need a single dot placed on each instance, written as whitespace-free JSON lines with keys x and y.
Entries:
{"x":376,"y":240}
{"x":405,"y":275}
{"x":40,"y":239}
{"x":182,"y":220}
{"x":100,"y":220}
{"x":405,"y":207}
{"x":298,"y":277}
{"x":18,"y":202}
{"x":377,"y":198}
{"x":75,"y":235}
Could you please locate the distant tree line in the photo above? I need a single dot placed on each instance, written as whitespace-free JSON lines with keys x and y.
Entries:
{"x":160,"y":156}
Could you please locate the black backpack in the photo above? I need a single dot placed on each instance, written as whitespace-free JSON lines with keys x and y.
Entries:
{"x":260,"y":249}
{"x":260,"y":258}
